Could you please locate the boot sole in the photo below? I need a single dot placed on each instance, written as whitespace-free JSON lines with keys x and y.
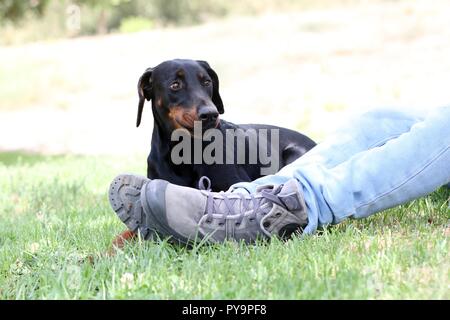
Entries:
{"x":124,"y":197}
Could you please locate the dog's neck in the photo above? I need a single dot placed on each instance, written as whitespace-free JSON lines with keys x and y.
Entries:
{"x":160,"y":139}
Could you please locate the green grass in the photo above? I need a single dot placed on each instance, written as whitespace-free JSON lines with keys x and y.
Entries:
{"x":54,"y":213}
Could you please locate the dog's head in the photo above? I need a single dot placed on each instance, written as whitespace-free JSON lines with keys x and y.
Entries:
{"x":182,"y":91}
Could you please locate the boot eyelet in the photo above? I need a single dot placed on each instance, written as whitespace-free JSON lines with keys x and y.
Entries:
{"x":237,"y":224}
{"x":278,"y":214}
{"x":220,"y":224}
{"x":208,"y":221}
{"x":266,"y":224}
{"x":251,"y":219}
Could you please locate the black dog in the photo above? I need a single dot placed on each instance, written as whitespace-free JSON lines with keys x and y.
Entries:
{"x":184,"y":91}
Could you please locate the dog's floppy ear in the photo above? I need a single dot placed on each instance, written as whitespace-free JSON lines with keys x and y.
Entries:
{"x":145,"y":91}
{"x":216,"y":99}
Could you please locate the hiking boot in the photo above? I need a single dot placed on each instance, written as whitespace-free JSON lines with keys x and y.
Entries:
{"x":189,"y":215}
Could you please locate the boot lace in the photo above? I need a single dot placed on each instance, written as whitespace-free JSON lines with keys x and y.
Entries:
{"x":237,"y":204}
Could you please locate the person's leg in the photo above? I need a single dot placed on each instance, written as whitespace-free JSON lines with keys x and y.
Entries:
{"x":360,"y":133}
{"x":392,"y":172}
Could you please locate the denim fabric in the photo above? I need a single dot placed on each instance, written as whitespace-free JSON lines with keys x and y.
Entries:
{"x":378,"y":160}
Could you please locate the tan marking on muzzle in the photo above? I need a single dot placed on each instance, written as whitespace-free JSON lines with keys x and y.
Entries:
{"x":181,"y":117}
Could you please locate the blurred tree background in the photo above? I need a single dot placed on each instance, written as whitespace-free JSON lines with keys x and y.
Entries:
{"x":32,"y":20}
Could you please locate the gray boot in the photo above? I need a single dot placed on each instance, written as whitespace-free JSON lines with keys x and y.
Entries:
{"x":189,"y":215}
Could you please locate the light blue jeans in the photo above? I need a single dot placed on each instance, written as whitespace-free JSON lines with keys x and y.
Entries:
{"x":378,"y":160}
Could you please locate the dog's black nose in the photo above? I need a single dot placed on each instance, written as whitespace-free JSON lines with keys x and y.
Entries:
{"x":208,"y":114}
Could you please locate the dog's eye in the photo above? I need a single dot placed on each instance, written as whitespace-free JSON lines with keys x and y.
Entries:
{"x":176,"y":85}
{"x":206,"y":82}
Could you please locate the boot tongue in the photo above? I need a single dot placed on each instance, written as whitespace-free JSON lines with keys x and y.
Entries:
{"x":287,"y":195}
{"x":290,"y":196}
